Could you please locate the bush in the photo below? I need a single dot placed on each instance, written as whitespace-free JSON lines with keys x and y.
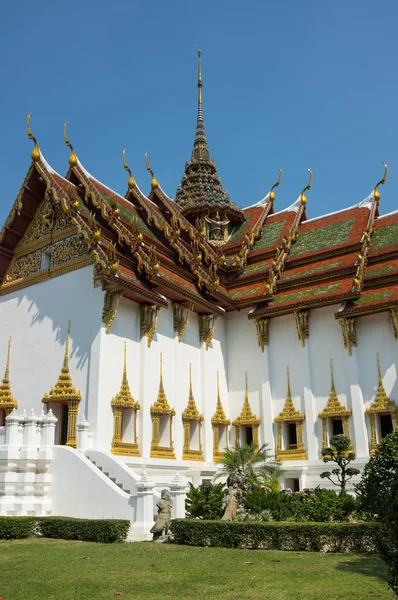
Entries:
{"x":315,"y":537}
{"x":15,"y":528}
{"x":281,"y":506}
{"x":205,"y":501}
{"x":106,"y":531}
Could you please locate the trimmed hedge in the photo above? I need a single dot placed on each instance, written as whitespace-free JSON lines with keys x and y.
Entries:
{"x":315,"y":537}
{"x":15,"y":528}
{"x":106,"y":531}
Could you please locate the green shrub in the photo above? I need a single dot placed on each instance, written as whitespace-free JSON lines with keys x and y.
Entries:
{"x":105,"y":531}
{"x":315,"y":537}
{"x":205,"y":501}
{"x":14,"y":528}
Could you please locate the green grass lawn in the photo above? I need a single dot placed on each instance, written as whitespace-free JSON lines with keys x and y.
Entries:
{"x":53,"y":569}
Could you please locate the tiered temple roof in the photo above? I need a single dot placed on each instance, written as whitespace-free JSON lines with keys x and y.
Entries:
{"x":200,"y":250}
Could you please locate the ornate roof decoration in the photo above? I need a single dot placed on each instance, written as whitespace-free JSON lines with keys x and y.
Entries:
{"x":162,"y":406}
{"x":201,"y":189}
{"x":191,"y":412}
{"x":64,"y":391}
{"x":289,"y":413}
{"x":382,"y":402}
{"x":124,"y":399}
{"x":246,"y":417}
{"x":7,"y":400}
{"x":36,"y":150}
{"x":334,"y":408}
{"x":219,"y":417}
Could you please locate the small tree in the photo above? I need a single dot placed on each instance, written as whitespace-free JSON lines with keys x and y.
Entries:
{"x":205,"y":501}
{"x":256,"y":462}
{"x":339,"y":454}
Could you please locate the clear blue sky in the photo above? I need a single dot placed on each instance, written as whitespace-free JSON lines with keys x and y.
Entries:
{"x":295,"y":83}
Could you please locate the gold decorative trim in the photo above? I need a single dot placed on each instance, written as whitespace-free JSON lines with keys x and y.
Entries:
{"x":262,"y":326}
{"x":181,"y":318}
{"x":394,"y":321}
{"x":122,"y":401}
{"x":290,"y":414}
{"x":149,"y":315}
{"x":7,"y":400}
{"x":334,"y":408}
{"x":111,"y":305}
{"x":348,"y":328}
{"x":302,"y":325}
{"x":207,"y":325}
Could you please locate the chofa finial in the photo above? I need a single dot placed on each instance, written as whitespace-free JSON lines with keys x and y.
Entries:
{"x":73,"y":157}
{"x":271,"y":192}
{"x":382,"y":181}
{"x":36,"y":151}
{"x":154,"y":183}
{"x":307,"y":187}
{"x":131,"y":181}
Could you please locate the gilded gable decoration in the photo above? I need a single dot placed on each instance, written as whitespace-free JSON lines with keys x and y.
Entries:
{"x":207,"y":325}
{"x":381,"y":405}
{"x":246,"y":419}
{"x":121,"y":404}
{"x":220,"y":424}
{"x":149,"y":314}
{"x":64,"y":392}
{"x":302,"y":325}
{"x":290,"y":444}
{"x":161,"y":412}
{"x":334,"y":409}
{"x":262,"y":326}
{"x":348,"y":328}
{"x":180,"y":318}
{"x":192,"y":421}
{"x":394,"y":321}
{"x":7,"y":400}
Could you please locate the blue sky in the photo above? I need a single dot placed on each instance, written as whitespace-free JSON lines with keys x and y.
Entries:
{"x":295,"y":83}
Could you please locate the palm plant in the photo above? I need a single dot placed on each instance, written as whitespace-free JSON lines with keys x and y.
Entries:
{"x":256,"y":462}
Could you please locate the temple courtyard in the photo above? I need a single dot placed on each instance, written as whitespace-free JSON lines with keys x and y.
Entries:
{"x":41,"y":569}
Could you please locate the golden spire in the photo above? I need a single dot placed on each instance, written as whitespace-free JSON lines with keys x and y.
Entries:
{"x":124,"y":399}
{"x":382,"y":181}
{"x":161,"y":405}
{"x":131,"y":181}
{"x":289,"y":395}
{"x":334,"y":407}
{"x":289,"y":412}
{"x":154,"y":182}
{"x":36,"y":151}
{"x":7,"y":400}
{"x":219,"y":416}
{"x":73,"y":157}
{"x":381,"y":402}
{"x":64,"y":390}
{"x":332,"y":389}
{"x":200,"y":83}
{"x":200,"y":149}
{"x":246,"y":417}
{"x":191,"y":411}
{"x":307,"y":187}
{"x":271,"y":192}
{"x":378,"y":370}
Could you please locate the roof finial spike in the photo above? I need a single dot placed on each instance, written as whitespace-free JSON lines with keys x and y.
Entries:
{"x":378,"y":369}
{"x":65,"y":366}
{"x":161,"y":371}
{"x":36,"y":151}
{"x":199,"y":81}
{"x":382,"y":181}
{"x":307,"y":187}
{"x":331,"y":376}
{"x":246,"y":388}
{"x":271,"y":192}
{"x":124,"y":364}
{"x":200,"y":149}
{"x":73,"y":157}
{"x":154,"y":182}
{"x":131,"y":181}
{"x":7,"y":371}
{"x":218,"y":386}
{"x":289,"y":394}
{"x":190,"y":380}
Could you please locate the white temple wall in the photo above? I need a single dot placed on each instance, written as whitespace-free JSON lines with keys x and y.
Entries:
{"x":37,"y":319}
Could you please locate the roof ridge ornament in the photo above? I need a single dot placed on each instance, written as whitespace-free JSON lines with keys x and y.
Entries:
{"x":303,"y":197}
{"x":271,"y":192}
{"x":131,"y":181}
{"x":382,"y":181}
{"x":154,"y":182}
{"x":73,"y":157}
{"x":36,"y":150}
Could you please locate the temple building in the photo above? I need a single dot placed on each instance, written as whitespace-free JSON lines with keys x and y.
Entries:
{"x":162,"y":330}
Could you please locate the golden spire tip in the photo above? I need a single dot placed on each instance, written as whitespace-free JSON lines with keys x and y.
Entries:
{"x":382,"y":181}
{"x":36,"y":151}
{"x":307,"y":187}
{"x":131,"y":181}
{"x":271,"y":192}
{"x":154,"y":183}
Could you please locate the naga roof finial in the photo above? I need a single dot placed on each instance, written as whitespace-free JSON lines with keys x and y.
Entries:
{"x":271,"y":192}
{"x":382,"y":181}
{"x":131,"y":181}
{"x":154,"y":182}
{"x":307,"y":187}
{"x":73,"y":157}
{"x":36,"y":151}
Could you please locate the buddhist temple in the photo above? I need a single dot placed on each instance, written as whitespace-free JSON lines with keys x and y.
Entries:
{"x":230,"y":297}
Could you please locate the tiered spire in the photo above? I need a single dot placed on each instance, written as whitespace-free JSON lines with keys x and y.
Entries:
{"x":246,"y":417}
{"x":334,"y":407}
{"x":125,"y":399}
{"x":64,"y":390}
{"x":201,"y":189}
{"x":219,"y":416}
{"x":7,"y":400}
{"x":382,"y":402}
{"x":289,"y":412}
{"x":191,"y":412}
{"x":161,"y":405}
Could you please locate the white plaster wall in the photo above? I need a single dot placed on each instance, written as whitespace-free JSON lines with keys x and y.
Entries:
{"x":37,"y":319}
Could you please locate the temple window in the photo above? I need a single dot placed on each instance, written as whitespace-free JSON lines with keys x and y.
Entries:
{"x":192,"y":421}
{"x":247,"y":424}
{"x":386,"y":425}
{"x":162,"y":416}
{"x":335,"y":416}
{"x":289,"y":422}
{"x":383,"y":414}
{"x":220,"y":424}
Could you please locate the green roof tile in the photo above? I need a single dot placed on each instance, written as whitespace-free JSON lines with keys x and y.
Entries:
{"x":235,"y":236}
{"x":324,"y":237}
{"x":269,"y":235}
{"x":311,"y":271}
{"x":380,"y":271}
{"x":312,"y":292}
{"x":384,"y":237}
{"x":371,"y":297}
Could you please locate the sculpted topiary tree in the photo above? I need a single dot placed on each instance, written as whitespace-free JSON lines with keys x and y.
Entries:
{"x":338,"y":452}
{"x":378,"y":491}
